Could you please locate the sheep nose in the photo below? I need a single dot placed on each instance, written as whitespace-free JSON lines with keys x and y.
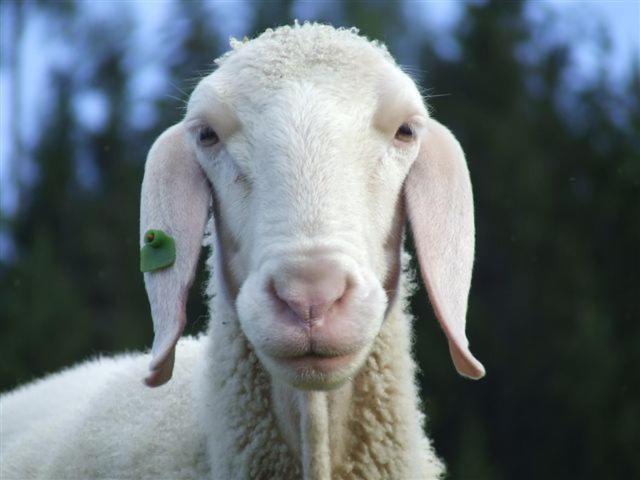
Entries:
{"x":309,"y":313}
{"x":310,"y":290}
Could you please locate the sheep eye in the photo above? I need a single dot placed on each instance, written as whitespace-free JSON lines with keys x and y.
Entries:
{"x":207,"y":137}
{"x":404,"y":133}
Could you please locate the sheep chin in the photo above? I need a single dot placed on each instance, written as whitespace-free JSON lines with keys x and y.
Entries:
{"x":313,"y":372}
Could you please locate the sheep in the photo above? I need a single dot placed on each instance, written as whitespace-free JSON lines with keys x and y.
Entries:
{"x":298,"y":161}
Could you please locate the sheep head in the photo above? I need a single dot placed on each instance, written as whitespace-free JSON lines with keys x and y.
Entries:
{"x":313,"y":147}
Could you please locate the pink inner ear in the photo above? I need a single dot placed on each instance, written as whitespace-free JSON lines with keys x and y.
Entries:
{"x":175,"y":199}
{"x":440,"y":207}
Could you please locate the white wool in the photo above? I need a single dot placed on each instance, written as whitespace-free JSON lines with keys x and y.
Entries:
{"x":103,"y":422}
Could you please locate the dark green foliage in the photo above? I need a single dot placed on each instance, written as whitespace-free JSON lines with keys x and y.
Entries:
{"x":554,"y":310}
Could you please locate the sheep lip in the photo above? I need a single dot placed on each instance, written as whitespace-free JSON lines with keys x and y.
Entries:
{"x":314,"y":355}
{"x":316,"y":361}
{"x":313,"y":351}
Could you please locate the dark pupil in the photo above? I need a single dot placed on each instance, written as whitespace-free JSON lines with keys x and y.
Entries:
{"x":207,"y":135}
{"x":405,"y":131}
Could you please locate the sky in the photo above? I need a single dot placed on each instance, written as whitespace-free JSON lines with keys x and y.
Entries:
{"x":620,"y":18}
{"x":41,"y":49}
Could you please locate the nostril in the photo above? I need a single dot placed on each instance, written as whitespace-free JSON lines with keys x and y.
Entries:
{"x":278,"y":299}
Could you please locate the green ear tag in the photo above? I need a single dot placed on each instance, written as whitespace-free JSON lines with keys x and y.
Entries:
{"x":159,"y":251}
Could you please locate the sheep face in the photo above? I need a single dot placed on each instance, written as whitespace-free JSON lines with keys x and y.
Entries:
{"x":311,"y":142}
{"x":308,"y":193}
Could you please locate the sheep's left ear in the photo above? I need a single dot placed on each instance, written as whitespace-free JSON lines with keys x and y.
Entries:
{"x":175,"y":199}
{"x":440,"y":207}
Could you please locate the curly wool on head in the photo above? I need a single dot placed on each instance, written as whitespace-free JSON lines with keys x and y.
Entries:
{"x":289,"y":50}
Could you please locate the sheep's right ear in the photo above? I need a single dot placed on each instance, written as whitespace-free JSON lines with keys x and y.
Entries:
{"x":175,"y":199}
{"x":440,"y":207}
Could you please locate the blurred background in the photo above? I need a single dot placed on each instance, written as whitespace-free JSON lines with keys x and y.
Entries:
{"x":545,"y":98}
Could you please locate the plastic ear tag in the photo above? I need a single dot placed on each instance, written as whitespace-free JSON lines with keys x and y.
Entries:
{"x":159,"y":251}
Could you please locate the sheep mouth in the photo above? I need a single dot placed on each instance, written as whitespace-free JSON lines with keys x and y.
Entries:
{"x":312,"y":368}
{"x":318,"y":362}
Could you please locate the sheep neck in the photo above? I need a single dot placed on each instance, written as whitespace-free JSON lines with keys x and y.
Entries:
{"x":314,"y":431}
{"x":312,"y":424}
{"x":370,"y":427}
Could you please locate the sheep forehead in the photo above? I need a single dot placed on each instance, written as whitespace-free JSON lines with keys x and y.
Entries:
{"x":305,"y":110}
{"x":303,"y":51}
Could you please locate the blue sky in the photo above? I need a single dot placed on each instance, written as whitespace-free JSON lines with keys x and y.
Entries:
{"x":42,"y":48}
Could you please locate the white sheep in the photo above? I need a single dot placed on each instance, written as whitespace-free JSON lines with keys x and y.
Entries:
{"x":306,"y":145}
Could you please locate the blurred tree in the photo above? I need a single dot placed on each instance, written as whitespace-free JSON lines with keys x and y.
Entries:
{"x":76,"y":283}
{"x":553,"y":310}
{"x":270,"y":15}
